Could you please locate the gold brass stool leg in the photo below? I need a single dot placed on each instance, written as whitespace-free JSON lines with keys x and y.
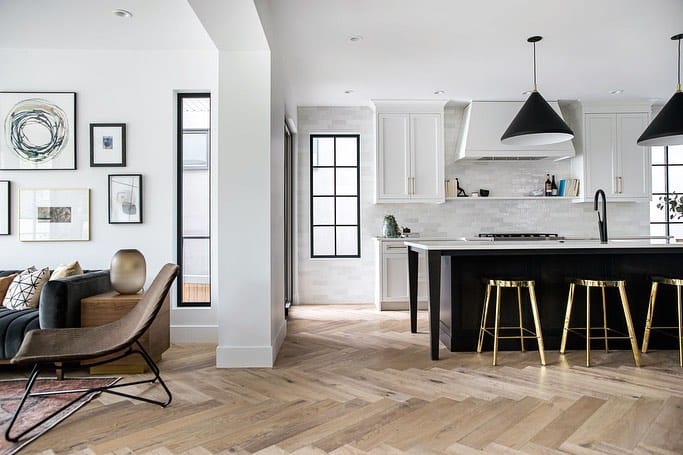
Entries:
{"x":484,"y":316}
{"x":650,"y":315}
{"x":570,"y":302}
{"x":588,"y":326}
{"x":629,"y":323}
{"x":604,"y":318}
{"x":519,"y":305}
{"x":537,"y":323}
{"x":497,"y":324}
{"x":680,"y":325}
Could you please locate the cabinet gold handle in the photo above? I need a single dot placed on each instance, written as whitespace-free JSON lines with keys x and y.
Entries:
{"x":620,"y":185}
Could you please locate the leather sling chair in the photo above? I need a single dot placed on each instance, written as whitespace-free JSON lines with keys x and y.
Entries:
{"x":86,"y":346}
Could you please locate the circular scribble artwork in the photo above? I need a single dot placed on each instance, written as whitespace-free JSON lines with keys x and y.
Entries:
{"x":36,"y":130}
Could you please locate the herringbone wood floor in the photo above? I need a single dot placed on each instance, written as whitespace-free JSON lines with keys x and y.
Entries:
{"x":352,"y":381}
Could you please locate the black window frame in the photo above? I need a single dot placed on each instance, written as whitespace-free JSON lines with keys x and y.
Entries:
{"x":180,"y":167}
{"x":335,"y":196}
{"x":667,"y":222}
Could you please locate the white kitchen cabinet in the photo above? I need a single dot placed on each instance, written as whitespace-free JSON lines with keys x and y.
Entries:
{"x":391,"y":283}
{"x":409,"y":165}
{"x":611,"y":159}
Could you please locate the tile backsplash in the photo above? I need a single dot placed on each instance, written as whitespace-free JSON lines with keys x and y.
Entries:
{"x":352,"y":280}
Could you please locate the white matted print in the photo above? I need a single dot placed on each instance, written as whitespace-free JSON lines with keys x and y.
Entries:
{"x":125,"y":198}
{"x":107,"y":144}
{"x":5,"y":202}
{"x":37,"y":130}
{"x":54,"y":214}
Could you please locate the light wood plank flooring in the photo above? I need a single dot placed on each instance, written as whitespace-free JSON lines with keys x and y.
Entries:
{"x":352,"y":381}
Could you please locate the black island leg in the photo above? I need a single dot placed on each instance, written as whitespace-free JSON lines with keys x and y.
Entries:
{"x":412,"y":288}
{"x":434,"y":276}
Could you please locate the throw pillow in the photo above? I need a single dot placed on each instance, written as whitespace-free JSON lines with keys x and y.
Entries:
{"x":24,"y":292}
{"x":5,"y":281}
{"x":64,"y":271}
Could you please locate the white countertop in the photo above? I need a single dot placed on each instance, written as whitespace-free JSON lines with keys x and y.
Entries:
{"x":471,"y":244}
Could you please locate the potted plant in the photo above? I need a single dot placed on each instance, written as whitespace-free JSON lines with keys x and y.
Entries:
{"x":674,"y":203}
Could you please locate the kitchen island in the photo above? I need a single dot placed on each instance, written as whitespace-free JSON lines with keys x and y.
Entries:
{"x":456,"y":270}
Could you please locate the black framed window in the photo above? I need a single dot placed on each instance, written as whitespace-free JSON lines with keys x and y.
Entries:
{"x":667,"y":181}
{"x":194,"y":199}
{"x":335,"y":195}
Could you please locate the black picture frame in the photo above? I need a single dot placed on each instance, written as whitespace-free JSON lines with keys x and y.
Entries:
{"x":8,"y":214}
{"x":93,"y":134}
{"x":9,"y":98}
{"x":117,"y":215}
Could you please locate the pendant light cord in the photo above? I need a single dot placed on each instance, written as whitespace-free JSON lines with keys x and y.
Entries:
{"x":679,"y":71}
{"x":678,"y":89}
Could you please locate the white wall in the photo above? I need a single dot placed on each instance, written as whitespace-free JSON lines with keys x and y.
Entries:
{"x":352,"y":280}
{"x":133,"y":87}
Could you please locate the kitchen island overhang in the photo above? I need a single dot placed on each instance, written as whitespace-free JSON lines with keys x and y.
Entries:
{"x":456,"y":269}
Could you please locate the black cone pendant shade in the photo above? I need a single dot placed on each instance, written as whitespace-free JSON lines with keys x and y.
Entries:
{"x":536,"y":123}
{"x":667,"y":127}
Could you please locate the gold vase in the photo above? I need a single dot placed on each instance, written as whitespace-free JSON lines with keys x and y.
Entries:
{"x":128,"y":271}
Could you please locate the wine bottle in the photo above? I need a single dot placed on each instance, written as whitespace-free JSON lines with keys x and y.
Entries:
{"x":553,"y":187}
{"x":548,"y":186}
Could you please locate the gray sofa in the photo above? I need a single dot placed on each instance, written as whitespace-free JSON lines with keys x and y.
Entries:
{"x":60,"y":306}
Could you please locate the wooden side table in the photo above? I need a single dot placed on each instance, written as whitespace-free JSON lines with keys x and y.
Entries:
{"x":108,"y":307}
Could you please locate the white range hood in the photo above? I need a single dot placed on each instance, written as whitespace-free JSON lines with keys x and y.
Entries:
{"x":484,"y":122}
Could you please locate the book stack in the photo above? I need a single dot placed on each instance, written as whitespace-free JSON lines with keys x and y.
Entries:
{"x":451,"y":188}
{"x":568,"y":188}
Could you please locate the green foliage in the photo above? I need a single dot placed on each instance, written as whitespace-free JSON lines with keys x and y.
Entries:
{"x":674,"y":203}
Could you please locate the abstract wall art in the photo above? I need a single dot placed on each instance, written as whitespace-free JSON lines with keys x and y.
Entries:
{"x":125,"y":198}
{"x":107,"y":144}
{"x":54,"y":214}
{"x":37,"y":130}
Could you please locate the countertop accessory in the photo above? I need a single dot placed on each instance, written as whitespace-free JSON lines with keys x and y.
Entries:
{"x":536,"y":123}
{"x":390,"y":228}
{"x":483,"y":192}
{"x":602,"y":220}
{"x":667,"y":126}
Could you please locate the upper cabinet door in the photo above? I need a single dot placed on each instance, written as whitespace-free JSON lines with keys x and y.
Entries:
{"x":427,"y":157}
{"x":633,"y":172}
{"x":393,"y":157}
{"x":601,"y":156}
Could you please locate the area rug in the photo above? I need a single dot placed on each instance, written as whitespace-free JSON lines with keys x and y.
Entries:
{"x":38,"y":408}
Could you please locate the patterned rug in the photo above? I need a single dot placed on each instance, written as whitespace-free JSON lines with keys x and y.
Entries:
{"x":38,"y":408}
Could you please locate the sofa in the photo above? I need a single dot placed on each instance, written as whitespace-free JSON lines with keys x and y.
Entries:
{"x":60,"y":306}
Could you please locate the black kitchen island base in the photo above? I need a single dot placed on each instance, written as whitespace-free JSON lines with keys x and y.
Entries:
{"x":456,"y":284}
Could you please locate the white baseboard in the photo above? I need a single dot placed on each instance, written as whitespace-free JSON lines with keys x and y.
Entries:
{"x":279,"y":339}
{"x":194,"y":333}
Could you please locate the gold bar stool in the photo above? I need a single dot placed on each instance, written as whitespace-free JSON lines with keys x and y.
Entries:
{"x":602,"y":284}
{"x":483,"y":329}
{"x":656,"y":281}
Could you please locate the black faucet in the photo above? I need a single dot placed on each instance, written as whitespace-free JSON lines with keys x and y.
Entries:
{"x":602,"y":220}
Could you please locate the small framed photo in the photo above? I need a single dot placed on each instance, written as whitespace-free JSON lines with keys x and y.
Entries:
{"x":107,"y":145}
{"x":54,"y":214}
{"x":125,"y":198}
{"x":5,"y":201}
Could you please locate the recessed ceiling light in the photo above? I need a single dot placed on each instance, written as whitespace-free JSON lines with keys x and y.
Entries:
{"x":122,"y":13}
{"x":440,"y":92}
{"x":616,"y":92}
{"x":355,"y":38}
{"x":348,"y":92}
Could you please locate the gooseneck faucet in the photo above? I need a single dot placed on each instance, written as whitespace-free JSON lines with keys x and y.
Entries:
{"x":602,"y":220}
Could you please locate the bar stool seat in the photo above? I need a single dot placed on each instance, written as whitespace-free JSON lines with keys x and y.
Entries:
{"x":524,"y":333}
{"x":603,"y":284}
{"x":656,"y":281}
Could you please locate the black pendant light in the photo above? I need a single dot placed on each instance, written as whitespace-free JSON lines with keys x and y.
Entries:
{"x":536,"y":123}
{"x":667,"y":127}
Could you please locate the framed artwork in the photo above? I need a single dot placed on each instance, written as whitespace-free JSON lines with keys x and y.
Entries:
{"x":37,"y":130}
{"x":107,"y":145}
{"x":125,"y":198}
{"x":5,"y":201}
{"x":54,"y":214}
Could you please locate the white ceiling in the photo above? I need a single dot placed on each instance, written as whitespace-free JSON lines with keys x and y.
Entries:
{"x":477,"y":49}
{"x":472,"y":49}
{"x":90,"y":24}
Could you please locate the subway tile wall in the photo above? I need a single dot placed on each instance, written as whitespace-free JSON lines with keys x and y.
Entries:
{"x":322,"y":281}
